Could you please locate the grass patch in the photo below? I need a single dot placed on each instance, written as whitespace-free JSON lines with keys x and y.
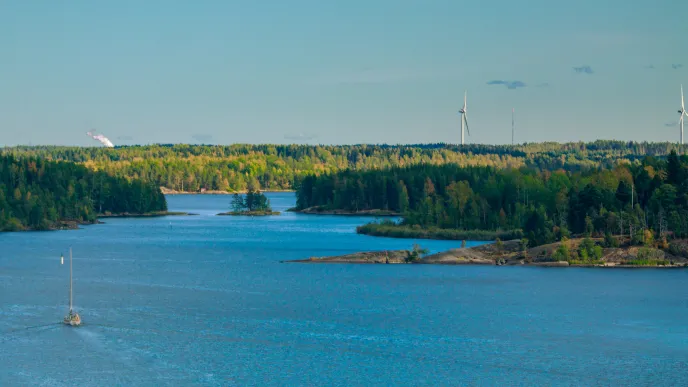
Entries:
{"x":648,"y":262}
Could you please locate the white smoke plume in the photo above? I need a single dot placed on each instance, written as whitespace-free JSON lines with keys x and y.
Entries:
{"x":102,"y":139}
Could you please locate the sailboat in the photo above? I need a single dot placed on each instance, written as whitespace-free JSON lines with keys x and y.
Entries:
{"x":73,"y":318}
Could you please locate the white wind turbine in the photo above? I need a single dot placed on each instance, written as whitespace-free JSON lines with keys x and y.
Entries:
{"x":682,"y":112}
{"x":464,"y":120}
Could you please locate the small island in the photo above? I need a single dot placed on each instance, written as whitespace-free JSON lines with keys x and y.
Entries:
{"x":253,"y":203}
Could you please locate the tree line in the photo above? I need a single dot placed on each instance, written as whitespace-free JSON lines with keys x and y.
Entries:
{"x":191,"y":168}
{"x":38,"y":194}
{"x":629,"y":198}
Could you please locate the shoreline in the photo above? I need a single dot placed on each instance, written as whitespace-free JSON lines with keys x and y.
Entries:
{"x":145,"y":215}
{"x":249,"y":213}
{"x":66,"y":225}
{"x":507,"y":253}
{"x":167,"y":191}
{"x":321,"y":211}
{"x":61,"y":225}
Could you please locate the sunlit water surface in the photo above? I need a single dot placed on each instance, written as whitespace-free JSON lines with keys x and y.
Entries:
{"x":204,"y":300}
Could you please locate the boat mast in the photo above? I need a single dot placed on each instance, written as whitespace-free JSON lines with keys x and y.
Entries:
{"x":70,"y":279}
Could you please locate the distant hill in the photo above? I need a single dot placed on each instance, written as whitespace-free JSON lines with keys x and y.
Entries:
{"x":192,"y":168}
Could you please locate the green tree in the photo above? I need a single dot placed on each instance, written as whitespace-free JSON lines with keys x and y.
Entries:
{"x":562,"y":252}
{"x":238,"y":203}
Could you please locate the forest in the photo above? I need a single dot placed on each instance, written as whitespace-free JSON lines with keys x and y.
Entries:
{"x":191,"y":168}
{"x":629,"y":198}
{"x":36,"y":194}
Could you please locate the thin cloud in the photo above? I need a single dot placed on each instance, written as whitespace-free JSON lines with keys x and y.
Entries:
{"x":650,"y":67}
{"x":203,"y":138}
{"x":583,"y":69}
{"x":676,"y":66}
{"x":671,"y":124}
{"x":543,"y":84}
{"x":509,"y":84}
{"x":300,"y":137}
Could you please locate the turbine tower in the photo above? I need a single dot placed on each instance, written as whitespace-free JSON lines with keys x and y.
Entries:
{"x":464,"y":120}
{"x":512,"y":126}
{"x":682,"y":112}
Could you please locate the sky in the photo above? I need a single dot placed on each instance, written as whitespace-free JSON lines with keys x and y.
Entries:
{"x":339,"y":72}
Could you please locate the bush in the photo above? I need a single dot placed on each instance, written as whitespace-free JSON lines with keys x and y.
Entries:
{"x":650,"y":254}
{"x":562,"y":252}
{"x":679,"y":248}
{"x":416,"y":254}
{"x":588,"y":251}
{"x":610,"y":240}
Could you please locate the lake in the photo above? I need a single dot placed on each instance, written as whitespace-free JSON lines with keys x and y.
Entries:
{"x":204,"y":300}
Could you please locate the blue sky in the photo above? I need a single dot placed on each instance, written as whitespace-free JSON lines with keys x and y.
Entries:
{"x":336,"y":72}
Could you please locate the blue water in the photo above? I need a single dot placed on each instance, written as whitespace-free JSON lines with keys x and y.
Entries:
{"x":204,"y":300}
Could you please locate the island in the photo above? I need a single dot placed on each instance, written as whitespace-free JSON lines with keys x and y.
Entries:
{"x":253,"y":203}
{"x":581,"y":252}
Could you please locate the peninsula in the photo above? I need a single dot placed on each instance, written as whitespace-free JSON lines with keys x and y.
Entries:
{"x":581,"y":252}
{"x":33,"y":198}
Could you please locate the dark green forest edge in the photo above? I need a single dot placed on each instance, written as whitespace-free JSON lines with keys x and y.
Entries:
{"x":36,"y":194}
{"x":630,"y":203}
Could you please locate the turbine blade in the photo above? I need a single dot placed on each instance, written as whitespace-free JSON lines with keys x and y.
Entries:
{"x":683,"y":107}
{"x":464,"y":100}
{"x":465,"y":121}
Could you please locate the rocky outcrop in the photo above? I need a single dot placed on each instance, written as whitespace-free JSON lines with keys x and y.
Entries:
{"x":511,"y":253}
{"x":391,"y":256}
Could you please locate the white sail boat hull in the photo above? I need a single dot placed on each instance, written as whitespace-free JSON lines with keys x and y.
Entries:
{"x":72,"y":319}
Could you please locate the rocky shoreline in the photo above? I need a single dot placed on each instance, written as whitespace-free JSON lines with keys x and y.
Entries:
{"x":507,"y":253}
{"x":144,"y":215}
{"x":62,"y":225}
{"x":249,"y":213}
{"x":325,"y":211}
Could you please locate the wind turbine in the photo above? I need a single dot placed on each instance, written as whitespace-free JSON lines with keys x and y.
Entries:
{"x":464,"y":120}
{"x":512,"y":126}
{"x":682,"y":112}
